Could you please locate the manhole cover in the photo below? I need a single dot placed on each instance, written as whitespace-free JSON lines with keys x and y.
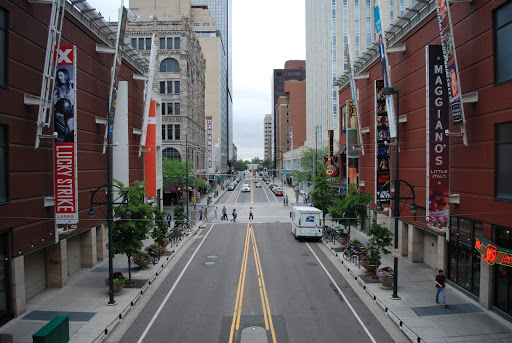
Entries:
{"x":209,"y":262}
{"x":211,"y":256}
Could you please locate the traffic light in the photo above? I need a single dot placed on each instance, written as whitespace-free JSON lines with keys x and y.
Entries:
{"x":265,"y":170}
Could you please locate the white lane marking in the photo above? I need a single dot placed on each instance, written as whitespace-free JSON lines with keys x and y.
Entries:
{"x":344,"y":297}
{"x":172,"y":289}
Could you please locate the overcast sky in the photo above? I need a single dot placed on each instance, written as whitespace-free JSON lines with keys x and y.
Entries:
{"x":266,"y":33}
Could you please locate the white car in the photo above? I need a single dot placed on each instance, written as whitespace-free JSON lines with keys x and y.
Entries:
{"x":246,"y":188}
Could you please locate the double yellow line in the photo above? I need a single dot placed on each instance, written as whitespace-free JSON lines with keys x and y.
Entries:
{"x":267,"y":315}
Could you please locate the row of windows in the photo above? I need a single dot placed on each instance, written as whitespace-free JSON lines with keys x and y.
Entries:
{"x":171,"y":132}
{"x":199,"y":24}
{"x":171,"y":108}
{"x":170,"y":89}
{"x":145,"y":43}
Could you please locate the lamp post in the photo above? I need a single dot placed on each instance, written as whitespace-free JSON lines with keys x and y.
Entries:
{"x":397,"y":196}
{"x":97,"y":199}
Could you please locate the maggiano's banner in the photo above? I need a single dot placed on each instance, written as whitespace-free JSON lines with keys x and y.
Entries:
{"x":438,"y":143}
{"x":64,"y":146}
{"x":491,"y":253}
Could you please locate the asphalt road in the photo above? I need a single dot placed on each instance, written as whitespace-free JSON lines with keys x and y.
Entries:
{"x":253,"y":282}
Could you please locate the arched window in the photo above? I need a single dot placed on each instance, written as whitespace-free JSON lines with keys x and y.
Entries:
{"x":169,"y":65}
{"x":171,"y":153}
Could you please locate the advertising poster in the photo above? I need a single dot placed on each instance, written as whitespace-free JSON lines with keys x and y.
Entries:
{"x":450,"y":61}
{"x":383,"y":147}
{"x":386,"y":75}
{"x":438,"y":145}
{"x":209,"y":141}
{"x":64,"y":126}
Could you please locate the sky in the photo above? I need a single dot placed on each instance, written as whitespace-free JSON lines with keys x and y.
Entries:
{"x":266,"y":34}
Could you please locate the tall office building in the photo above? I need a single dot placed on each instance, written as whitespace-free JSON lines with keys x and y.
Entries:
{"x":221,"y":13}
{"x":330,"y":24}
{"x":267,"y":140}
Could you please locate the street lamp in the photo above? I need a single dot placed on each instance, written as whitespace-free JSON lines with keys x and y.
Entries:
{"x":97,"y":199}
{"x":397,"y":197}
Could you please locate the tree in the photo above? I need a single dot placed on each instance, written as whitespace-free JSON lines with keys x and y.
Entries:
{"x":307,"y":165}
{"x":179,"y":214}
{"x":128,"y":235}
{"x":161,"y":228}
{"x":256,"y":160}
{"x":265,"y":164}
{"x":174,"y":173}
{"x":241,"y":165}
{"x":322,"y":195}
{"x":351,"y":210}
{"x":379,"y":239}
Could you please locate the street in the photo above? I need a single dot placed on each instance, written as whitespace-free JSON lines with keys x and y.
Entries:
{"x":253,"y":282}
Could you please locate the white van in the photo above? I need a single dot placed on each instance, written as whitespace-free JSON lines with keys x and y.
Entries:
{"x":306,"y":222}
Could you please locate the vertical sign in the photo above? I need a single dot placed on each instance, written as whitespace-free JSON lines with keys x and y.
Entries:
{"x":386,"y":75}
{"x":116,"y":70}
{"x":352,"y":150}
{"x":450,"y":61}
{"x":383,"y":145}
{"x":150,"y":154}
{"x":438,"y":162}
{"x":209,"y":141}
{"x":353,"y":93}
{"x":64,"y":146}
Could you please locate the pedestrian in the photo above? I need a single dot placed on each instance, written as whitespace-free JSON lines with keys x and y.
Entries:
{"x":206,"y":214}
{"x":250,"y":213}
{"x":304,"y":197}
{"x":224,"y":213}
{"x":440,"y":285}
{"x":168,"y":219}
{"x":286,"y":198}
{"x":201,"y":213}
{"x":215,"y":212}
{"x":234,"y":215}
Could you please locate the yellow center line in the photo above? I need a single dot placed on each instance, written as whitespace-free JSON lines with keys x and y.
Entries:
{"x":260,"y":284}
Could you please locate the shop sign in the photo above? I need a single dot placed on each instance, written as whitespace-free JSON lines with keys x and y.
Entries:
{"x":493,"y":254}
{"x":209,"y":141}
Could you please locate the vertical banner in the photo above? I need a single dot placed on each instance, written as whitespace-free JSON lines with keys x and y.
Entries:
{"x":209,"y":141}
{"x":386,"y":75}
{"x":438,"y":147}
{"x":353,"y":93}
{"x":382,"y":145}
{"x":450,"y":61}
{"x":352,"y":151}
{"x":64,"y":146}
{"x":116,"y":69}
{"x":150,"y":154}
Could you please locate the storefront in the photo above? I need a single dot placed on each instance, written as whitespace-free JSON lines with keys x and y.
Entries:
{"x":502,"y":297}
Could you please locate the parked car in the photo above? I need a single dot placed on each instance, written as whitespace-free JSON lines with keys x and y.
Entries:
{"x":275,"y":189}
{"x":231,"y":186}
{"x":246,"y":188}
{"x":279,"y":192}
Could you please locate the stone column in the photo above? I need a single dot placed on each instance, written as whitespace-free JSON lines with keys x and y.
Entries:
{"x":88,"y":248}
{"x":57,"y":265}
{"x":442,"y":253}
{"x":101,"y":242}
{"x":415,"y":244}
{"x":486,"y":285}
{"x":403,"y":236}
{"x":18,"y":285}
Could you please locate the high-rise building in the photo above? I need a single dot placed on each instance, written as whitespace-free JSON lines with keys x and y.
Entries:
{"x":267,"y":140}
{"x":221,"y":12}
{"x":293,"y":71}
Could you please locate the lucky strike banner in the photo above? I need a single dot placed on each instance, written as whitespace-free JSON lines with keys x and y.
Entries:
{"x":450,"y":61}
{"x":64,"y":146}
{"x":209,"y":141}
{"x":438,"y":144}
{"x":383,"y":147}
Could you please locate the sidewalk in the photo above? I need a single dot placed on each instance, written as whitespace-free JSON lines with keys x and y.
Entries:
{"x":419,"y":317}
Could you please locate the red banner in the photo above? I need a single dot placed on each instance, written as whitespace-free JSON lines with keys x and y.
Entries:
{"x":150,"y":154}
{"x":64,"y":126}
{"x":438,"y":144}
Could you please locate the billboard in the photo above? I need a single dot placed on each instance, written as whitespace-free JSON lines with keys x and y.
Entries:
{"x":438,"y":144}
{"x":382,"y":145}
{"x":64,"y":127}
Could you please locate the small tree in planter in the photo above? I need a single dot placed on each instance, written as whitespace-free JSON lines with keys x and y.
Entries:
{"x":160,"y":230}
{"x":379,"y":240}
{"x":179,"y":214}
{"x":322,"y":195}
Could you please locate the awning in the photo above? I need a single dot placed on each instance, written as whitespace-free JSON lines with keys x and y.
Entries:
{"x":342,"y":149}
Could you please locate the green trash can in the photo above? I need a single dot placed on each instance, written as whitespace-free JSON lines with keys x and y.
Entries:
{"x":56,"y":331}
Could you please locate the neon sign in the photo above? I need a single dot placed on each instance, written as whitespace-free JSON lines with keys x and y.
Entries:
{"x":493,"y":254}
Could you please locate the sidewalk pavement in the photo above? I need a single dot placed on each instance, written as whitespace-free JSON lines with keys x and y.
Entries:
{"x":419,"y":317}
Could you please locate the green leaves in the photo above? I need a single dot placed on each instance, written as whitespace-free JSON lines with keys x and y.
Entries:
{"x":322,"y":195}
{"x":350,"y":210}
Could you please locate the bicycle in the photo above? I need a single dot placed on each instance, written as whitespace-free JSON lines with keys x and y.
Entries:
{"x":155,"y":255}
{"x":355,"y":254}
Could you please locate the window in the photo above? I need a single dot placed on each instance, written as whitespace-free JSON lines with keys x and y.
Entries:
{"x":196,"y":24}
{"x":134,"y":43}
{"x":164,"y":128}
{"x":3,"y":163}
{"x":162,"y":87}
{"x":503,"y":171}
{"x":170,"y":65}
{"x":141,"y":43}
{"x":206,"y":24}
{"x":169,"y":87}
{"x":177,"y":43}
{"x":163,"y":109}
{"x":177,"y":132}
{"x":148,"y":43}
{"x":171,"y":153}
{"x":162,"y":43}
{"x":169,"y":108}
{"x":3,"y":47}
{"x":176,"y":87}
{"x":503,"y":43}
{"x":177,"y":108}
{"x":169,"y":132}
{"x":169,"y":42}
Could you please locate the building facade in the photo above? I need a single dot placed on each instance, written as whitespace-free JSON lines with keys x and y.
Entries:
{"x":267,"y":137}
{"x":36,"y":253}
{"x":474,"y":242}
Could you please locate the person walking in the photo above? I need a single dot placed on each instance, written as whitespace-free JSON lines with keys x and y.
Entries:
{"x":206,"y":214}
{"x":168,"y":219}
{"x":250,"y":213}
{"x":234,"y":215}
{"x":440,"y":285}
{"x":201,"y":213}
{"x":224,"y":213}
{"x":215,"y":211}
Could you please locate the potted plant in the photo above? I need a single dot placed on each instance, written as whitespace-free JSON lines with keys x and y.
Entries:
{"x":385,"y":275}
{"x":157,"y":248}
{"x":379,"y":240}
{"x":119,"y":281}
{"x":142,"y":259}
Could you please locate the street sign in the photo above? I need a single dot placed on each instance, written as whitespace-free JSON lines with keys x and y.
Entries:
{"x":285,"y":172}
